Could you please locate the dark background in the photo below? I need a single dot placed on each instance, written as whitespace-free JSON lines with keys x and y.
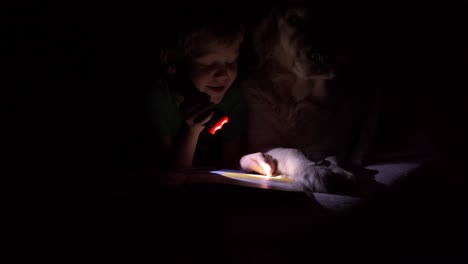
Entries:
{"x":78,"y":69}
{"x":71,"y":125}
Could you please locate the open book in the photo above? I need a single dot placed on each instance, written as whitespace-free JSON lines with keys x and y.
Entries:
{"x":278,"y":182}
{"x":244,"y":175}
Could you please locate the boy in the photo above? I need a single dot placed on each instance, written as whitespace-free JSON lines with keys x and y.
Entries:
{"x":204,"y":52}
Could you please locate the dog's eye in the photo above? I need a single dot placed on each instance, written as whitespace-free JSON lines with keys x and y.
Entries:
{"x":294,"y":20}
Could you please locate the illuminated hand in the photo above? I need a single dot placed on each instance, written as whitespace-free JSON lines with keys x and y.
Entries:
{"x":259,"y":162}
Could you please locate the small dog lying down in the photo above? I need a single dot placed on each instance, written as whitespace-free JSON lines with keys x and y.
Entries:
{"x":309,"y":109}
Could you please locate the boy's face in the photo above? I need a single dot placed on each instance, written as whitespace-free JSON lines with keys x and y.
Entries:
{"x":214,"y":69}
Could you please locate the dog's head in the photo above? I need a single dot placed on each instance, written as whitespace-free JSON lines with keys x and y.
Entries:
{"x":298,"y":38}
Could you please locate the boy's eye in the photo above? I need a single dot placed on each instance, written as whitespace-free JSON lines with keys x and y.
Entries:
{"x":216,"y":65}
{"x":208,"y":66}
{"x":205,"y":64}
{"x":204,"y":61}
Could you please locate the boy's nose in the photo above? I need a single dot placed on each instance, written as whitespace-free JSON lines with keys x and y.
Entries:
{"x":222,"y":72}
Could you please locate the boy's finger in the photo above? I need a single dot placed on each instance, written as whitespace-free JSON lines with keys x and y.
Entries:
{"x":266,"y":168}
{"x":254,"y":166}
{"x":197,"y":109}
{"x":204,"y":108}
{"x":266,"y":162}
{"x":204,"y":118}
{"x":192,"y":102}
{"x":257,"y":163}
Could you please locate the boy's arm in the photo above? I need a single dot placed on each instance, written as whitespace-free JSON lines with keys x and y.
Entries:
{"x":183,"y":148}
{"x":180,"y":152}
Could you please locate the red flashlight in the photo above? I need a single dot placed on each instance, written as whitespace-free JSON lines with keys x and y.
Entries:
{"x":217,"y":121}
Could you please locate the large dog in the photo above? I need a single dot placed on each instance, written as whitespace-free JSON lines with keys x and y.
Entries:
{"x":309,"y":107}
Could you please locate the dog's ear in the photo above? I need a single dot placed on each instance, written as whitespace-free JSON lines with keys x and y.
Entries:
{"x":168,"y":61}
{"x":263,"y":37}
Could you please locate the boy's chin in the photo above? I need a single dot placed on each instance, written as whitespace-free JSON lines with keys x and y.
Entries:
{"x":216,"y":96}
{"x":216,"y":100}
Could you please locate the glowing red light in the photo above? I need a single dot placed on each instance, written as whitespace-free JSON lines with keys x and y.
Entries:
{"x":218,"y":125}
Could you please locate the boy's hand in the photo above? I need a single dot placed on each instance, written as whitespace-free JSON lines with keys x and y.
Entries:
{"x":195,"y":111}
{"x":258,"y":162}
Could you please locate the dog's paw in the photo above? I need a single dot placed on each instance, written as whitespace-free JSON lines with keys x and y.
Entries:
{"x":325,"y":178}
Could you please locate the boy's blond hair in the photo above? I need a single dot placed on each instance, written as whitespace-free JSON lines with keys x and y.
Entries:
{"x":199,"y":27}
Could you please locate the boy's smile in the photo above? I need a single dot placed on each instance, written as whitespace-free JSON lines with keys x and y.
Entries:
{"x":216,"y":89}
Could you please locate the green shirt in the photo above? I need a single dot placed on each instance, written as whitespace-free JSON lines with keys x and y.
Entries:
{"x":164,"y":113}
